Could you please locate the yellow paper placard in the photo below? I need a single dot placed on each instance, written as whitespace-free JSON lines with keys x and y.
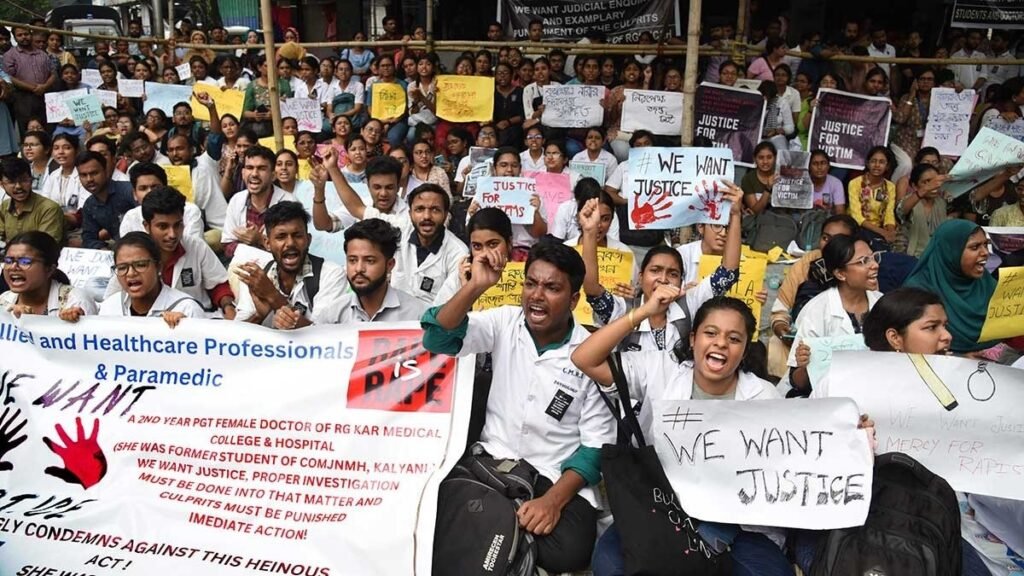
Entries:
{"x":305,"y":168}
{"x":180,"y":178}
{"x":508,"y":291}
{"x":289,"y":143}
{"x":465,"y":98}
{"x":228,"y":102}
{"x":752,"y":271}
{"x":614,"y":266}
{"x":1006,"y":307}
{"x":388,"y":100}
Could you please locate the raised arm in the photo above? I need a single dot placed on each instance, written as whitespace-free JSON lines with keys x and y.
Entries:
{"x":352,"y":202}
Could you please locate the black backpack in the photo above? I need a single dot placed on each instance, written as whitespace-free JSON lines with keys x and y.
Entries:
{"x":912,"y":528}
{"x":477,"y":530}
{"x":773,"y":229}
{"x":312,"y":285}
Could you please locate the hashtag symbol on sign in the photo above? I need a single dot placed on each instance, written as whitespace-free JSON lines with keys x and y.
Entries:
{"x":682,"y":418}
{"x":642,"y":163}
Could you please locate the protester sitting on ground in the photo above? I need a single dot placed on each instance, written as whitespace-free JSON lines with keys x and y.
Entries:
{"x":136,"y":268}
{"x":852,"y":272}
{"x":563,"y":444}
{"x":953,"y":266}
{"x":63,"y":186}
{"x":296,"y":289}
{"x":566,"y":224}
{"x":36,"y":285}
{"x":25,"y":210}
{"x":247,"y":209}
{"x":488,"y":229}
{"x":872,"y":201}
{"x":487,"y":137}
{"x":422,"y":170}
{"x":601,"y":213}
{"x":507,"y":163}
{"x":757,"y":184}
{"x":923,"y":211}
{"x":828,"y":190}
{"x":532,"y":158}
{"x":106,"y":204}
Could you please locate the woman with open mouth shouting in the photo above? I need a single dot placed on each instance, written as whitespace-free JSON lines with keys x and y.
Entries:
{"x":143,"y":294}
{"x":37,"y":286}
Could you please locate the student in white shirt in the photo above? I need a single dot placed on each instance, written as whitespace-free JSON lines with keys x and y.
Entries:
{"x":296,"y":289}
{"x":488,"y":229}
{"x":428,"y":253}
{"x":346,"y":84}
{"x":507,"y":163}
{"x":594,"y":151}
{"x":967,"y":75}
{"x":601,"y":210}
{"x":35,"y":284}
{"x":566,"y":225}
{"x":247,"y":209}
{"x":852,"y":271}
{"x":383,"y":175}
{"x":136,"y":268}
{"x":1000,"y":73}
{"x":146,"y":177}
{"x":63,"y":185}
{"x":370,"y":248}
{"x":540,"y":408}
{"x":204,"y":169}
{"x":532,"y":159}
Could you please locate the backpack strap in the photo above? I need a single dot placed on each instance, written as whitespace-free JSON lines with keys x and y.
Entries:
{"x":170,"y":307}
{"x":312,"y":285}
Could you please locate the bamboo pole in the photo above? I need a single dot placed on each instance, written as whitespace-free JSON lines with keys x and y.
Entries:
{"x":741,"y":30}
{"x":690,"y":79}
{"x":275,"y":97}
{"x":430,"y":25}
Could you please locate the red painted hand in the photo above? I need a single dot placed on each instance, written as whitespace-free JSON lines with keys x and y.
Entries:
{"x":710,"y":199}
{"x":84,"y":462}
{"x":648,"y":213}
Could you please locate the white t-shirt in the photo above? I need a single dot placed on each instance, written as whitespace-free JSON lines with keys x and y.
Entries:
{"x":61,"y":297}
{"x":237,"y":206}
{"x":169,"y":300}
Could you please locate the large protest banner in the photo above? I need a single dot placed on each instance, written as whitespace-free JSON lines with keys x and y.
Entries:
{"x":753,"y":267}
{"x":794,"y":188}
{"x":987,"y":154}
{"x":622,"y":21}
{"x":465,"y":98}
{"x":1000,"y":14}
{"x":766,"y":462}
{"x":572,"y":106}
{"x":847,"y":125}
{"x":673,"y":187}
{"x":654,"y":110}
{"x":221,"y":447}
{"x":949,"y":121}
{"x":508,"y":194}
{"x":1006,"y":307}
{"x":957,"y":416}
{"x":731,"y":117}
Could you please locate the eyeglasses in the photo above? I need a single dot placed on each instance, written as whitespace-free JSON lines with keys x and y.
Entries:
{"x":31,"y":145}
{"x":535,"y":137}
{"x":718,"y":228}
{"x":23,"y":262}
{"x":875,"y":257}
{"x":137,"y":265}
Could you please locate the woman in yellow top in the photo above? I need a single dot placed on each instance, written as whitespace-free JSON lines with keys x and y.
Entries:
{"x":872,"y":200}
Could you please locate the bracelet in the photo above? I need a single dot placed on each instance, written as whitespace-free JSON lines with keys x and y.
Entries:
{"x":632,"y":323}
{"x":315,"y":201}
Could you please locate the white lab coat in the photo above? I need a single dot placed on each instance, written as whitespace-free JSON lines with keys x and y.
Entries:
{"x":424,"y":281}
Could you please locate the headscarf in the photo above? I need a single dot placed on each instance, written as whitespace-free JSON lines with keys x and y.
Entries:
{"x":292,"y":50}
{"x":205,"y":53}
{"x":965,"y":298}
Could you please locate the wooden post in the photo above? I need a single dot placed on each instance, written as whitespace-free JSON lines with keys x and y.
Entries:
{"x":690,"y":79}
{"x":741,"y":32}
{"x":267,"y":16}
{"x":430,"y":25}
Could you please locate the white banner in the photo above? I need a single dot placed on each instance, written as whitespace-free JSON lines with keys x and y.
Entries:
{"x":949,"y":121}
{"x":306,"y":112}
{"x":961,"y":418}
{"x":572,"y":106}
{"x":223,"y":448}
{"x":801,"y":464}
{"x":654,"y":110}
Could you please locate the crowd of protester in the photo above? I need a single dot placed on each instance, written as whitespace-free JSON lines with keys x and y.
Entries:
{"x":897,"y":260}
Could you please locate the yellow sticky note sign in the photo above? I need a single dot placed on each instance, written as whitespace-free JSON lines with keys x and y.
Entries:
{"x":228,"y":102}
{"x":507,"y":292}
{"x":180,"y":178}
{"x":1006,"y":307}
{"x":388,"y":100}
{"x":465,"y":98}
{"x":305,"y":168}
{"x":289,"y":143}
{"x":752,"y":272}
{"x":614,"y":267}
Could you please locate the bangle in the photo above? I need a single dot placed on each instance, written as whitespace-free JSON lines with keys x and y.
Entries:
{"x":315,"y":201}
{"x":632,"y":323}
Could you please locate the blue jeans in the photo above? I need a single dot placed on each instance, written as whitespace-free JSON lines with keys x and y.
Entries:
{"x":397,"y":133}
{"x":752,"y":554}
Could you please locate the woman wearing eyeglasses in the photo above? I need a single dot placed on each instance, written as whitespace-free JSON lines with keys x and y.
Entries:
{"x":36,"y":285}
{"x":137,"y":269}
{"x":852,"y":278}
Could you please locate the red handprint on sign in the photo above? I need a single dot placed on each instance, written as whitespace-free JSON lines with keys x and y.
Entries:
{"x":710,"y":200}
{"x":84,"y":462}
{"x":649,"y":213}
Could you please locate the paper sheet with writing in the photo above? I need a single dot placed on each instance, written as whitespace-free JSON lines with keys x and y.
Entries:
{"x":752,"y":272}
{"x":794,"y":188}
{"x":949,"y":120}
{"x":766,"y":462}
{"x":1005,"y":316}
{"x":509,"y":194}
{"x":572,"y":106}
{"x":987,"y":154}
{"x":613,"y":267}
{"x":388,"y":100}
{"x":507,"y":292}
{"x":959,"y":417}
{"x":228,"y":102}
{"x":595,"y":170}
{"x":165,"y":96}
{"x":673,"y":187}
{"x":56,"y":106}
{"x":654,"y":110}
{"x":465,"y":98}
{"x":306,"y":112}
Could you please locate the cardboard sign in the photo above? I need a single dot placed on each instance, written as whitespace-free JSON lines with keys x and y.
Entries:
{"x":794,"y":188}
{"x":508,"y":291}
{"x":56,"y":104}
{"x":306,"y":112}
{"x":388,"y":100}
{"x":847,"y":125}
{"x":949,"y":121}
{"x":165,"y":96}
{"x":511,"y":195}
{"x":228,"y":102}
{"x":957,"y":416}
{"x":131,"y":88}
{"x":481,"y":160}
{"x":572,"y":106}
{"x":180,"y":178}
{"x":653,"y":110}
{"x":465,"y":98}
{"x":84,"y":109}
{"x":338,"y":475}
{"x":673,"y":187}
{"x":732,"y":118}
{"x":753,"y":267}
{"x":613,"y":267}
{"x":766,"y":462}
{"x":289,"y":142}
{"x":1006,"y":307}
{"x":595,"y":170}
{"x":91,"y":77}
{"x":184,"y":71}
{"x":553,"y":189}
{"x":988,"y":154}
{"x":107,"y":98}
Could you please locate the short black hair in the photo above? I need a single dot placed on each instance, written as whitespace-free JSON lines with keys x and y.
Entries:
{"x":110,"y":144}
{"x":383,"y":166}
{"x":258,"y":151}
{"x":377,"y":232}
{"x":562,"y":257}
{"x":89,"y":156}
{"x":836,"y":254}
{"x":15,"y":168}
{"x":147,"y":169}
{"x":44,"y":137}
{"x":493,"y":219}
{"x":844,"y":219}
{"x":506,"y":150}
{"x":163,"y":200}
{"x":897,"y":310}
{"x":427,"y":188}
{"x":282,"y":212}
{"x":140,"y":239}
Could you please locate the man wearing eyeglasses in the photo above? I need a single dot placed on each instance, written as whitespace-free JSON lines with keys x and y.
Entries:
{"x":24,"y":210}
